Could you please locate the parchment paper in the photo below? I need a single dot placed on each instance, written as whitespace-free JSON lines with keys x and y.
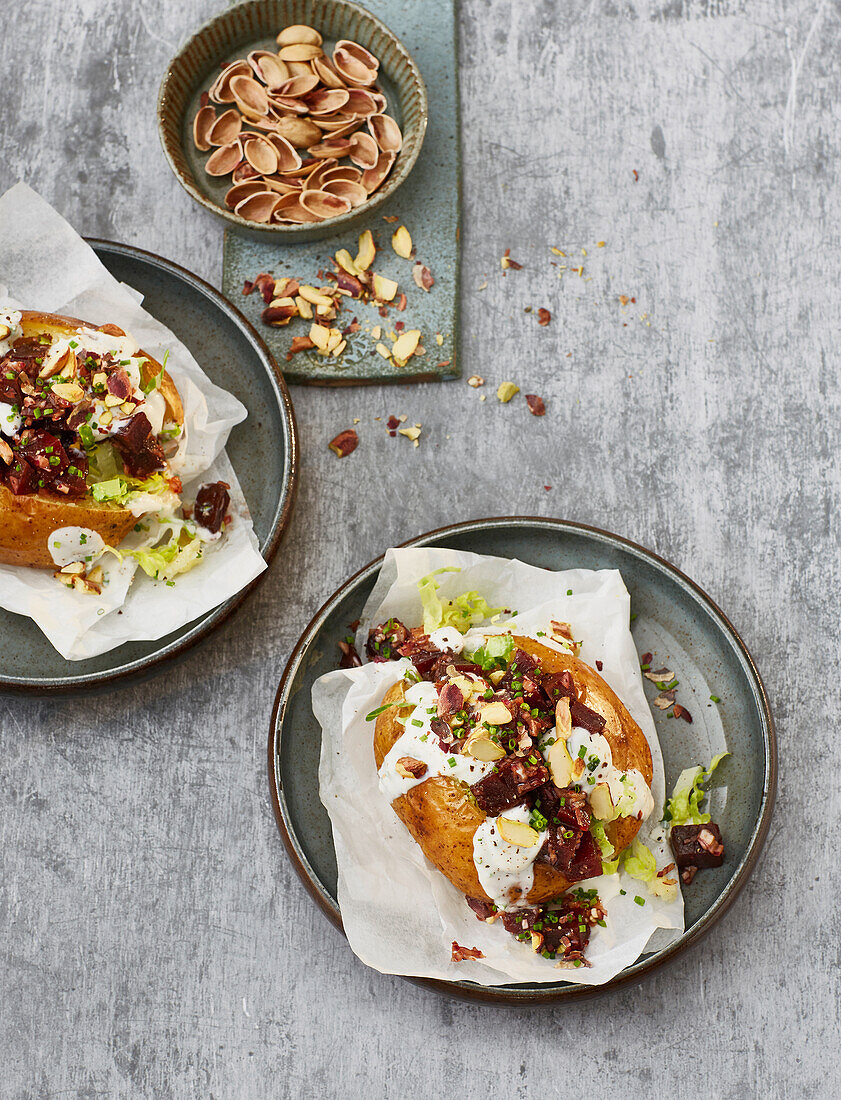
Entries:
{"x":45,"y":265}
{"x":399,"y":913}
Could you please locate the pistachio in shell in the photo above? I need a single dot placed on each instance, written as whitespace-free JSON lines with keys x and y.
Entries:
{"x":299,"y":132}
{"x":298,"y":34}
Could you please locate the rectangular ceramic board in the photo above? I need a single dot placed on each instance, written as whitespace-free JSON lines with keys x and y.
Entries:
{"x":428,"y":204}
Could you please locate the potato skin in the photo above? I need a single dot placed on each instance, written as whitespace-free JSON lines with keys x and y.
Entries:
{"x":26,"y":521}
{"x":442,"y":820}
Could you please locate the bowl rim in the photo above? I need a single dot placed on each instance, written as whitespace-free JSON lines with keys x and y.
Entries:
{"x":338,"y":223}
{"x":549,"y":994}
{"x":198,"y":630}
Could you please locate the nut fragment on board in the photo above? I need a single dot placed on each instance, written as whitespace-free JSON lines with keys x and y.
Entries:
{"x":344,"y":443}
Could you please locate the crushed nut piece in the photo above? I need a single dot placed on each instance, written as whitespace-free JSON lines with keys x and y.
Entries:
{"x":345,"y":443}
{"x":543,"y":317}
{"x":475,"y":380}
{"x":535,"y":404}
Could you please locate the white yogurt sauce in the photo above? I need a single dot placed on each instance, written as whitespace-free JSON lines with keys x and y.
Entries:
{"x":424,"y":698}
{"x":447,"y":637}
{"x":124,"y":349}
{"x":10,"y":421}
{"x":11,"y":318}
{"x":67,"y":544}
{"x":629,"y":785}
{"x":505,"y":869}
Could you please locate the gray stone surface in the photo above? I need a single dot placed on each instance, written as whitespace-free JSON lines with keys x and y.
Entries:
{"x":154,"y":939}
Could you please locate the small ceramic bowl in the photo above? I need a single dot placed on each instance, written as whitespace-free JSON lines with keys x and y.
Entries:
{"x":254,"y":25}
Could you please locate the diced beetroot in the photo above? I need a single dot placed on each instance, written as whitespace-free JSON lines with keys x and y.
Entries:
{"x":513,"y":778}
{"x":21,"y":477}
{"x":212,"y":504}
{"x":697,"y":845}
{"x":133,"y":435}
{"x":45,"y":452}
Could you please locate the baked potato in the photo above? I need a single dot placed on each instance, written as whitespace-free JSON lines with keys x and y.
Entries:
{"x":49,"y":396}
{"x":443,"y":814}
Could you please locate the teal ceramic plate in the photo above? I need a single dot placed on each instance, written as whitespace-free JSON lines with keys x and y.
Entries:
{"x":672,"y":614}
{"x":264,"y":452}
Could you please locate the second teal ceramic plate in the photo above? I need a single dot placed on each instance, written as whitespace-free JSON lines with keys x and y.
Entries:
{"x":672,"y":616}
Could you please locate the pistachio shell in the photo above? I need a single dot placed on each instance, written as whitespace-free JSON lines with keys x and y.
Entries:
{"x":274,"y":67}
{"x":361,"y":102}
{"x":354,"y":63}
{"x":342,"y":172}
{"x":258,"y":207}
{"x":226,"y":128}
{"x":323,"y":69}
{"x":289,"y":209}
{"x":299,"y":132}
{"x":202,"y":125}
{"x":224,"y":159}
{"x":315,"y":178}
{"x":297,"y":86}
{"x":241,"y":191}
{"x":386,"y":133}
{"x":380,"y":101}
{"x":308,"y":166}
{"x":355,"y":193}
{"x":324,"y":101}
{"x":220,"y":89}
{"x":244,"y":172}
{"x":299,"y":68}
{"x":323,"y":204}
{"x":299,"y":33}
{"x":332,"y":147}
{"x":364,"y":150}
{"x":280,"y":185}
{"x":273,"y":71}
{"x":302,"y":51}
{"x":287,"y":158}
{"x":373,"y":177}
{"x":250,"y":97}
{"x":262,"y":155}
{"x":337,"y":128}
{"x":282,"y":105}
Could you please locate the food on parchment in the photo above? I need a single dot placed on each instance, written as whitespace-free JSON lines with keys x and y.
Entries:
{"x":89,"y":426}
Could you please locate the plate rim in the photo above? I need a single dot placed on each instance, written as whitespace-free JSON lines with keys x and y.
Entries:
{"x":146,"y":666}
{"x":550,"y":994}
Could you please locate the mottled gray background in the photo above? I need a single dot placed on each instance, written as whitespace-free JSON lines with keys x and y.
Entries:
{"x":154,"y":939}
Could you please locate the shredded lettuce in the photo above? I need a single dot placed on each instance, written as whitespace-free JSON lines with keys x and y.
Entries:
{"x":640,"y":862}
{"x":600,"y":837}
{"x":684,"y":807}
{"x":462,"y":612}
{"x":494,"y":653}
{"x":170,"y":559}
